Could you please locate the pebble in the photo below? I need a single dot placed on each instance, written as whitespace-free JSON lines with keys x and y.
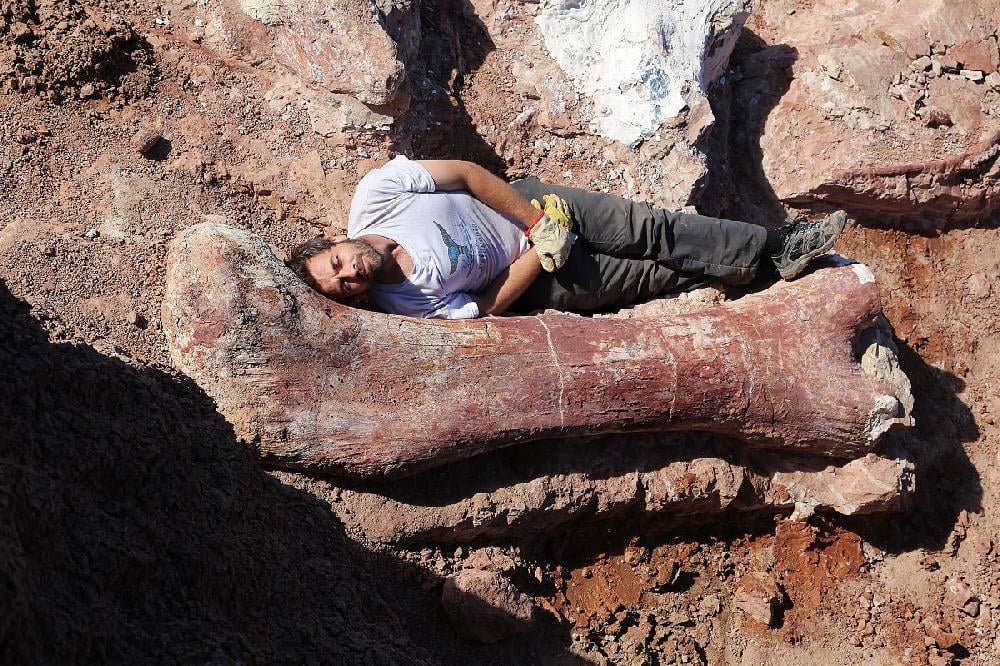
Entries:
{"x":86,"y":90}
{"x":20,"y":31}
{"x":146,"y":139}
{"x":91,"y":234}
{"x":710,"y":605}
{"x":973,"y":75}
{"x":957,"y":593}
{"x":949,"y":64}
{"x":758,"y":595}
{"x":979,"y":286}
{"x":634,"y":555}
{"x":136,"y":319}
{"x":26,"y":135}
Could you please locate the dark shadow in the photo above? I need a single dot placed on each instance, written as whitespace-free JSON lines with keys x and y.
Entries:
{"x":130,"y":68}
{"x":160,"y":150}
{"x":135,"y":528}
{"x":454,"y":43}
{"x":585,"y":531}
{"x":762,"y":75}
{"x":601,"y":457}
{"x":684,"y":582}
{"x":946,"y":481}
{"x":929,"y":222}
{"x":779,"y":612}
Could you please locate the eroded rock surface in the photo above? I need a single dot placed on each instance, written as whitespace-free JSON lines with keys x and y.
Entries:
{"x":758,"y":595}
{"x":485,"y":606}
{"x":891,"y":108}
{"x":547,"y":487}
{"x":337,"y":45}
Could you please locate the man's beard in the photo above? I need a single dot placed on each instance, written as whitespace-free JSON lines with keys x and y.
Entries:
{"x":373,"y":258}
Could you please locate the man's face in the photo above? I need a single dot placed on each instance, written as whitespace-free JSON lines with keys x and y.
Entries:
{"x":347,"y":269}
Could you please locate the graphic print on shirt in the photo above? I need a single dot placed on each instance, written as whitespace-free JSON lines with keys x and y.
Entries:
{"x":455,"y":250}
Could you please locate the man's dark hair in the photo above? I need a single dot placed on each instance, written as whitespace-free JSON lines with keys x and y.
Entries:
{"x":303,"y":252}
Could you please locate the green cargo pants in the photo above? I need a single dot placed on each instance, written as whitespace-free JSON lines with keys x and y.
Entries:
{"x":629,"y":251}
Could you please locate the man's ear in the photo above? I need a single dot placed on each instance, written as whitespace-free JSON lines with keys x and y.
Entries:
{"x":339,"y":238}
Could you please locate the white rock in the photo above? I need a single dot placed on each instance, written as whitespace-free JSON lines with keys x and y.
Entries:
{"x":641,"y":61}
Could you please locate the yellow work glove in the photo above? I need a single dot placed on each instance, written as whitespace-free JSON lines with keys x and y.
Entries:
{"x":556,"y":208}
{"x":552,"y":242}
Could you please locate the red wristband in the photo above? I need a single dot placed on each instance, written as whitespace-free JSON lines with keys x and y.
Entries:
{"x":527,"y":229}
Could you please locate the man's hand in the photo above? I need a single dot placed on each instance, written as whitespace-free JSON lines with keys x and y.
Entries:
{"x":552,"y":243}
{"x":557,"y":209}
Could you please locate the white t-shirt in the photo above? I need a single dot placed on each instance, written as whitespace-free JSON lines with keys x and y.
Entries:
{"x":458,"y":244}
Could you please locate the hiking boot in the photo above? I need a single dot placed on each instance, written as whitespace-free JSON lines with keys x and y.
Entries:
{"x":804,"y":240}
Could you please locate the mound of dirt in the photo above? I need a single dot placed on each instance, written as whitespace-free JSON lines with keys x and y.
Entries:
{"x":135,"y":525}
{"x":64,"y":47}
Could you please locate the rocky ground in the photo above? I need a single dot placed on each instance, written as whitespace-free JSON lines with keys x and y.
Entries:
{"x":135,"y":524}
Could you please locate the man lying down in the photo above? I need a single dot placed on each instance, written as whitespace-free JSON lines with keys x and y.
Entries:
{"x":446,"y":238}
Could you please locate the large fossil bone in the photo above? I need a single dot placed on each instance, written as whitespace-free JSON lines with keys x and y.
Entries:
{"x":322,"y":386}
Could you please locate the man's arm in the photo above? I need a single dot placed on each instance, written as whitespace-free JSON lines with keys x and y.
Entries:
{"x":509,"y":285}
{"x":480,"y":183}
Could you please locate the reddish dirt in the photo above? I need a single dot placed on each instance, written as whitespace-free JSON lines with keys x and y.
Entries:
{"x":134,"y":525}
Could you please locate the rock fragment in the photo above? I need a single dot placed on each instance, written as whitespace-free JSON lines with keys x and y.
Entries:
{"x":145,"y":139}
{"x":710,"y":605}
{"x":484,"y":606}
{"x":667,"y":75}
{"x":957,"y":593}
{"x":977,"y":55}
{"x":26,"y":135}
{"x":337,"y":45}
{"x":937,"y":118}
{"x":758,"y":595}
{"x":850,"y":152}
{"x":492,"y":559}
{"x":136,"y":319}
{"x":979,"y":286}
{"x":21,"y":32}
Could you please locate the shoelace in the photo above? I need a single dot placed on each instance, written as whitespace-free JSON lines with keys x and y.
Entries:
{"x":803,"y":240}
